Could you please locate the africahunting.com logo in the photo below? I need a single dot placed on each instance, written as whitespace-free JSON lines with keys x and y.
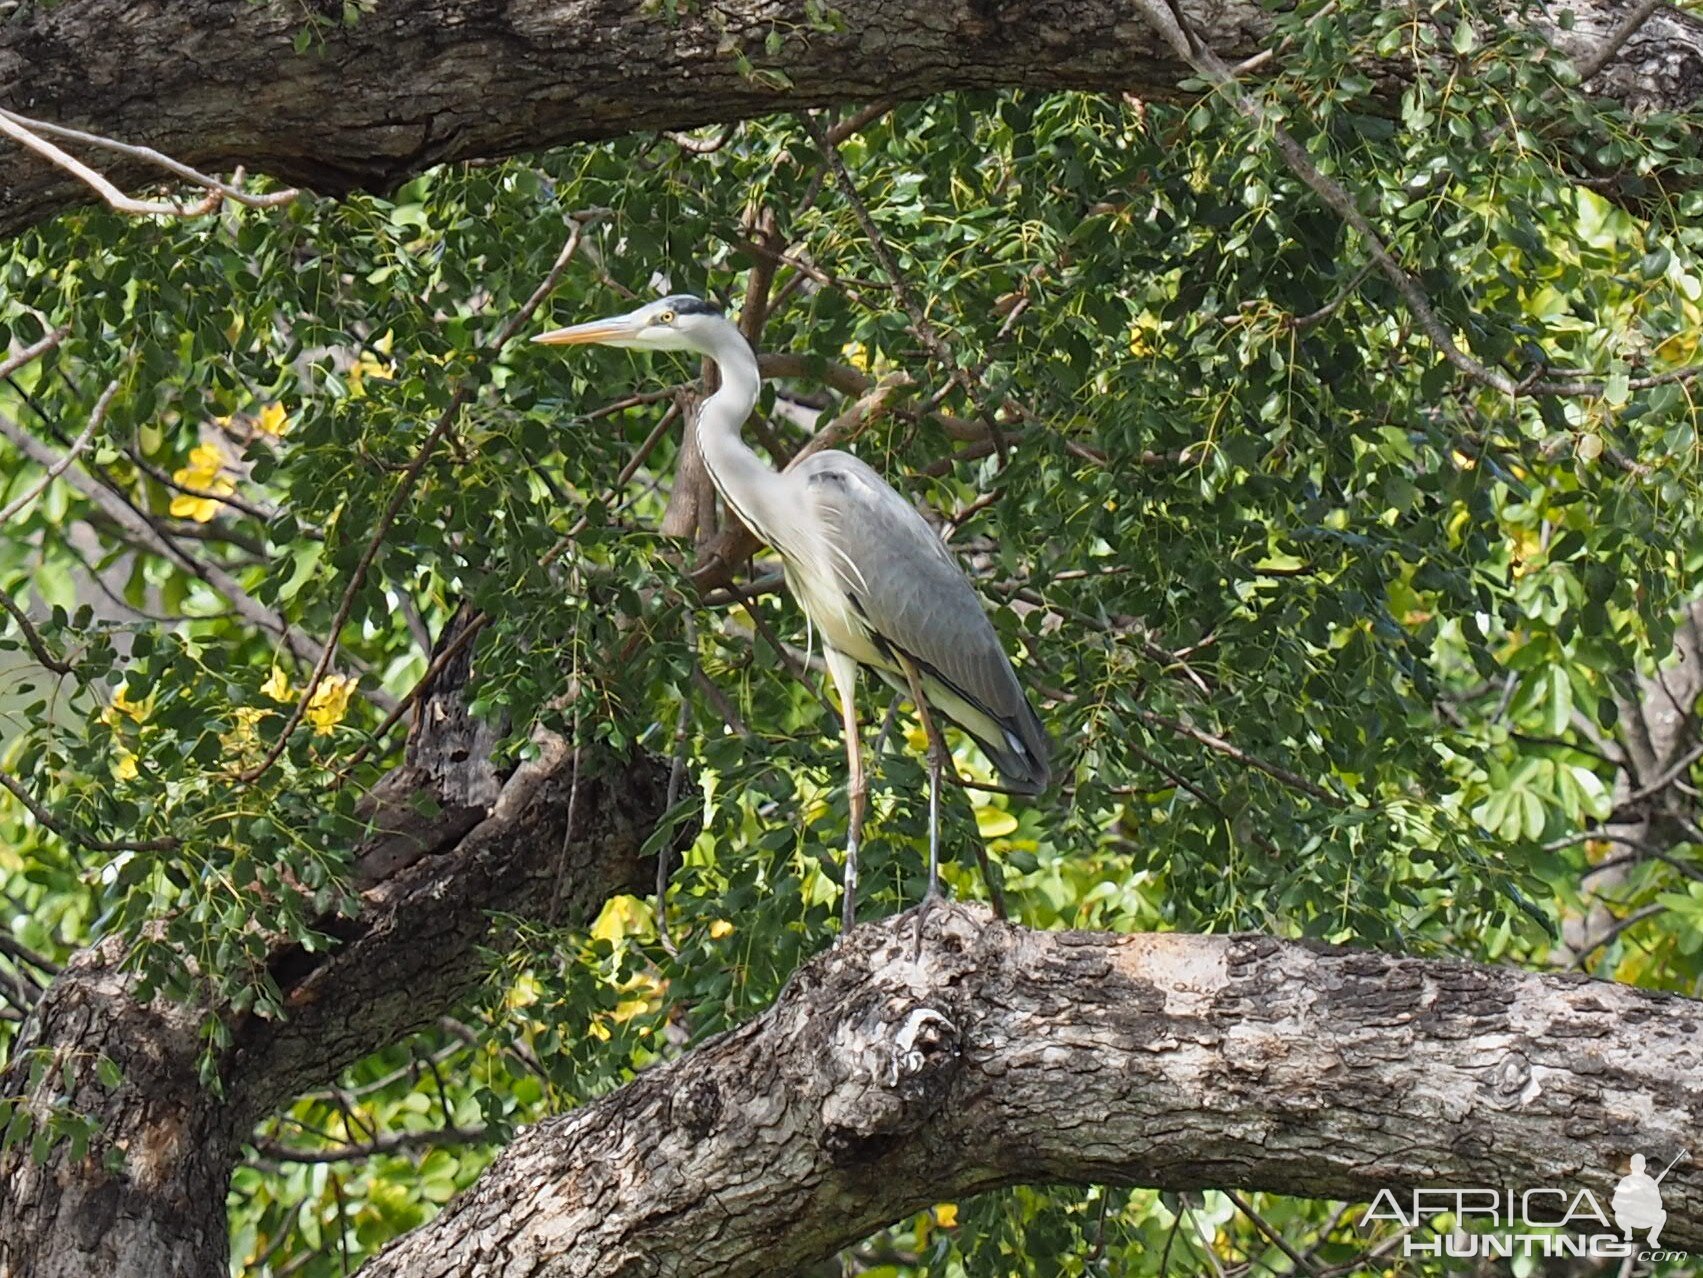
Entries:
{"x":1494,"y":1224}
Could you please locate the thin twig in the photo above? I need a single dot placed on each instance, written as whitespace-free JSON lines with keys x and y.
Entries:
{"x":1271,"y":1235}
{"x":224,"y":499}
{"x":1620,"y":925}
{"x":717,"y":698}
{"x":703,"y":146}
{"x":71,"y":834}
{"x":860,"y":120}
{"x":1676,"y":770}
{"x":1591,"y":66}
{"x":17,"y":950}
{"x":12,"y":363}
{"x":1292,"y":779}
{"x":1303,"y":322}
{"x":71,"y":454}
{"x":850,"y":381}
{"x":43,"y":654}
{"x":34,"y":133}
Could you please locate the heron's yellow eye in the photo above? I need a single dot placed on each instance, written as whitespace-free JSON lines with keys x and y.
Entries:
{"x":667,"y":317}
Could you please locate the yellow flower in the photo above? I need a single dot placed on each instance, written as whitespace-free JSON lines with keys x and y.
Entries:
{"x":646,"y":993}
{"x":123,"y":705}
{"x":946,"y":1215}
{"x":621,"y":917}
{"x":277,"y":685}
{"x":329,"y":703}
{"x":272,"y":421}
{"x":720,"y":929}
{"x":523,"y":993}
{"x":205,"y":473}
{"x":242,"y":743}
{"x":861,"y":357}
{"x":1524,"y":546}
{"x":124,"y":766}
{"x":369,"y":366}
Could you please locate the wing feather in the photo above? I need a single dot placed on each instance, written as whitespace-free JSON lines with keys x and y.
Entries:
{"x":915,"y":598}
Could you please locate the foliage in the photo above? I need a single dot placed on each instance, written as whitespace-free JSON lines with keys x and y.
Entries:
{"x":1239,"y":495}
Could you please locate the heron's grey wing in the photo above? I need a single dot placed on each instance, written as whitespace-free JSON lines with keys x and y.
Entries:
{"x":914,"y":598}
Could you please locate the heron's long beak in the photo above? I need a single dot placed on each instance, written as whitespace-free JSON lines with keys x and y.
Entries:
{"x":594,"y":333}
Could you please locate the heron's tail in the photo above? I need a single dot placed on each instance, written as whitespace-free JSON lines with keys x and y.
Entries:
{"x":1014,"y":742}
{"x":1021,"y":755}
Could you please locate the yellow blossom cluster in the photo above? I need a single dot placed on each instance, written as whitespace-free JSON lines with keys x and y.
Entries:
{"x":205,"y":476}
{"x":123,"y":707}
{"x":329,"y":703}
{"x":325,"y":709}
{"x":370,"y":365}
{"x":272,"y":421}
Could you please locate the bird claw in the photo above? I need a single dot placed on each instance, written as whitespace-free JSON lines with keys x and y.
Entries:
{"x":930,"y":898}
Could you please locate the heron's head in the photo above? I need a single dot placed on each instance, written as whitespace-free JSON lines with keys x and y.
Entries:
{"x":678,"y":323}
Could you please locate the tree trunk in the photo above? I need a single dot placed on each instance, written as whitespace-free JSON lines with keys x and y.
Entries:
{"x":147,"y":1200}
{"x":877,"y":1085}
{"x":414,"y":84}
{"x":162,"y":1212}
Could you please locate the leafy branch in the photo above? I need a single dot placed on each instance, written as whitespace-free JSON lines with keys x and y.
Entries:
{"x":1174,"y":27}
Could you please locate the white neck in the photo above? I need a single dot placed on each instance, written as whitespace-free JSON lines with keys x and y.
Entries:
{"x":745,"y":481}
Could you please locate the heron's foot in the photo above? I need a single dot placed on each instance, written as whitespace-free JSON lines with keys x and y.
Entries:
{"x":930,"y":898}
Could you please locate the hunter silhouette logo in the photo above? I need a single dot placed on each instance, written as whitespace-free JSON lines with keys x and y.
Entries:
{"x":1638,"y":1200}
{"x":1548,"y":1221}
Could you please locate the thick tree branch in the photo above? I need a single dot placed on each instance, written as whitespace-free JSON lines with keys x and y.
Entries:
{"x":877,"y":1084}
{"x":425,"y":81}
{"x":35,"y":134}
{"x":148,"y":1202}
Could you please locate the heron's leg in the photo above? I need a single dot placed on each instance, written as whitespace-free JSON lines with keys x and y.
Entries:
{"x":844,"y":670}
{"x":936,"y":761}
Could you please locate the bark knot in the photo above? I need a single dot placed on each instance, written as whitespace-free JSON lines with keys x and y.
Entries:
{"x":894,"y":1065}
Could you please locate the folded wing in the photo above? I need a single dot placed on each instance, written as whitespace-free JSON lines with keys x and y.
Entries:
{"x":906,"y":594}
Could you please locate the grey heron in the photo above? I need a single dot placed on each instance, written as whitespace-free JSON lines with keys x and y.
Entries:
{"x":868,"y":570}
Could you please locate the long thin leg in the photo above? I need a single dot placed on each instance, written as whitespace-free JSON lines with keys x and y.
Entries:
{"x":936,"y":761}
{"x":844,"y":670}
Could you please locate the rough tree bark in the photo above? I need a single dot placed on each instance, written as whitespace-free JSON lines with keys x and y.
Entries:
{"x":417,"y":83}
{"x":148,"y":1199}
{"x":877,"y":1084}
